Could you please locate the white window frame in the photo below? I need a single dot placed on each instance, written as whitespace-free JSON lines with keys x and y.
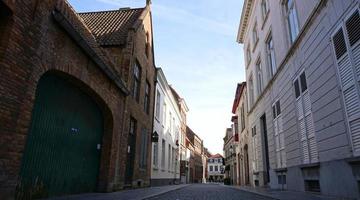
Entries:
{"x":270,"y":55}
{"x":260,"y":76}
{"x":292,"y":19}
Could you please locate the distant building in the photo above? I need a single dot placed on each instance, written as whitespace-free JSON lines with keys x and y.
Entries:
{"x":167,"y":127}
{"x":242,"y":141}
{"x":215,"y":168}
{"x":230,"y":156}
{"x":183,"y":151}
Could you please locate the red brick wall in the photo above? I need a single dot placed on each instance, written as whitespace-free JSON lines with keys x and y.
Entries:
{"x":31,"y":45}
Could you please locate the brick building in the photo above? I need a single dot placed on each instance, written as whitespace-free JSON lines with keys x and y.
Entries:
{"x":65,"y":104}
{"x":129,"y":38}
{"x":195,"y":145}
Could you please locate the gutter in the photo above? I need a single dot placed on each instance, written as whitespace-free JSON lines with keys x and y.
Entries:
{"x":90,"y":51}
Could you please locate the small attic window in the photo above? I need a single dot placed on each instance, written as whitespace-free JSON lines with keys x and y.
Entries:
{"x":147,"y":45}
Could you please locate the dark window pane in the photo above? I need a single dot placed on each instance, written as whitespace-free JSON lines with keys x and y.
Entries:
{"x":353,"y":28}
{"x":297,"y":89}
{"x":339,"y":44}
{"x":274,"y":112}
{"x":278,"y":108}
{"x":303,"y":82}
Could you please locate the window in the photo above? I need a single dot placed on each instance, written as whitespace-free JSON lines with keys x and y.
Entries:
{"x":271,"y":55}
{"x":136,"y":82}
{"x":147,"y":98}
{"x":173,"y":158}
{"x":305,"y":120}
{"x":259,"y":77}
{"x":157,"y":109}
{"x":164,"y":114}
{"x":254,"y":148}
{"x":248,"y":55}
{"x":211,"y":168}
{"x":170,"y":122}
{"x":242,"y":117}
{"x":347,"y":48}
{"x":147,"y":45}
{"x":281,"y":179}
{"x":292,"y":19}
{"x":156,"y":154}
{"x":132,"y":135}
{"x":264,"y":8}
{"x":169,"y":157}
{"x":143,"y":152}
{"x":216,"y":168}
{"x":255,"y":35}
{"x":251,"y":91}
{"x":279,"y":136}
{"x":163,"y":154}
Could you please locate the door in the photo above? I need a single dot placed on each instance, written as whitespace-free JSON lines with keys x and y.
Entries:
{"x":131,"y":150}
{"x":266,"y":148}
{"x":62,"y":152}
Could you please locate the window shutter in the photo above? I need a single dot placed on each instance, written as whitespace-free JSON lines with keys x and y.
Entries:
{"x":349,"y":76}
{"x":353,"y":28}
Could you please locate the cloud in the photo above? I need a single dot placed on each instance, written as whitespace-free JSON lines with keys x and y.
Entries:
{"x":122,"y":3}
{"x":194,"y":21}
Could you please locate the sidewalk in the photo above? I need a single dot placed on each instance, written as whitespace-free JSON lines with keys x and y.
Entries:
{"x":285,"y":194}
{"x":134,"y":194}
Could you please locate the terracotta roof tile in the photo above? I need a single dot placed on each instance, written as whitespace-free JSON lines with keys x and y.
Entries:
{"x":111,"y":27}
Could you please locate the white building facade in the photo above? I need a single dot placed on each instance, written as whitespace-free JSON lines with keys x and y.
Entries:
{"x":165,"y":159}
{"x":303,"y":83}
{"x":215,"y":168}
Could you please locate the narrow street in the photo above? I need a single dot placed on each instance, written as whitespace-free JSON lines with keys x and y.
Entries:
{"x":208,"y":192}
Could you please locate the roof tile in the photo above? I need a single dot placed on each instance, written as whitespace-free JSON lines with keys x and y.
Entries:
{"x":111,"y":27}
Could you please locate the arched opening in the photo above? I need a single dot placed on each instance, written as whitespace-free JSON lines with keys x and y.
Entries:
{"x":64,"y":142}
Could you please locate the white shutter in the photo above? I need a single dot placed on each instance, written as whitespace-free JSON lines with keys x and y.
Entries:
{"x":356,"y":57}
{"x":280,"y":124}
{"x":283,"y":158}
{"x":311,"y":139}
{"x":278,"y":159}
{"x":299,"y":109}
{"x":350,"y":76}
{"x":305,"y":152}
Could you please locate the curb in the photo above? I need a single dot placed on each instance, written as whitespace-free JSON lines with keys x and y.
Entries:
{"x":250,"y":191}
{"x":164,"y":192}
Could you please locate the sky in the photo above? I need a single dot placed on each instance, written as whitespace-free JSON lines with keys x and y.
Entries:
{"x":195,"y":45}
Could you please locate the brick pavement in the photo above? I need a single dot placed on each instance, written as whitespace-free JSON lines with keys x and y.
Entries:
{"x":286,"y":194}
{"x":135,"y":194}
{"x":209,"y":192}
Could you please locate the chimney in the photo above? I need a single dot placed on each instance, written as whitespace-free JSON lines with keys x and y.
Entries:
{"x":148,"y":2}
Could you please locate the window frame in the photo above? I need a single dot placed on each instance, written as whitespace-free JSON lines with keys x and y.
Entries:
{"x":136,"y":81}
{"x":260,"y":76}
{"x":147,"y":97}
{"x":271,"y":54}
{"x":291,"y":10}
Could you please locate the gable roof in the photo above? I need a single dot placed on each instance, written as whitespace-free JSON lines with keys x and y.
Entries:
{"x":110,"y":28}
{"x":216,"y":156}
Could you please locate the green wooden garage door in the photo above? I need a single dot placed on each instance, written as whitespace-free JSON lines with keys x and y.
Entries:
{"x":62,"y":153}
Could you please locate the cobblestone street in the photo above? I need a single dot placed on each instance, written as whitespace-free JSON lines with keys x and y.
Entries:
{"x":208,"y":192}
